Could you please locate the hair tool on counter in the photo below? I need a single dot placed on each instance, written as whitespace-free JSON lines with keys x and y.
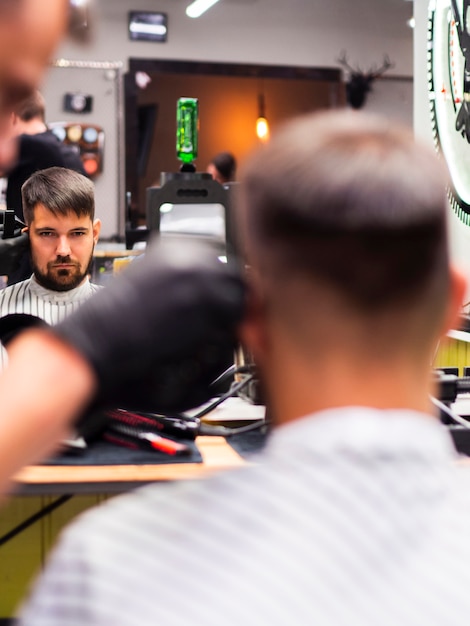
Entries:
{"x":183,"y":426}
{"x":129,"y":432}
{"x":453,"y":405}
{"x":449,"y":387}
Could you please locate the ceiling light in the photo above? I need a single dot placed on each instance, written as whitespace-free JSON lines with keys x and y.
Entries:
{"x":262,"y":126}
{"x":148,"y":29}
{"x":198,"y":7}
{"x":148,"y":26}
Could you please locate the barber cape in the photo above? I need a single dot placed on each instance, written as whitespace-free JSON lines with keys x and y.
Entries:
{"x":31,"y":298}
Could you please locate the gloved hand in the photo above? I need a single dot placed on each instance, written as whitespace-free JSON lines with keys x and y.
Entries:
{"x":15,"y":323}
{"x":159,"y":334}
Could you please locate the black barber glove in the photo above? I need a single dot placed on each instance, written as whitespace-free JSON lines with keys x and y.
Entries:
{"x":13,"y":324}
{"x":159,"y":334}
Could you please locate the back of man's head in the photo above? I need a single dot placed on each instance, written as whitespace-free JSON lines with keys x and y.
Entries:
{"x":349,"y":210}
{"x":226,"y":165}
{"x":61,"y":191}
{"x":31,"y":108}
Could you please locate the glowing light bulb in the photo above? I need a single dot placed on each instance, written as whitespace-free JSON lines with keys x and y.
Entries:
{"x":262,"y":129}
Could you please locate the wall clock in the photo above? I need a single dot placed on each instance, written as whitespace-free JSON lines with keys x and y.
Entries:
{"x":449,"y":94}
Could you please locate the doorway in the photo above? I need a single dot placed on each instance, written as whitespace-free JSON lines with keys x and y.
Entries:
{"x":228,"y":97}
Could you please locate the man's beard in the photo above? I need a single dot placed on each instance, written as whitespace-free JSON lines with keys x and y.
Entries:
{"x":61,"y":279}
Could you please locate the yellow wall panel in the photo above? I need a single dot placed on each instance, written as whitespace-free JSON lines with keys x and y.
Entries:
{"x":22,"y":556}
{"x":453,"y":353}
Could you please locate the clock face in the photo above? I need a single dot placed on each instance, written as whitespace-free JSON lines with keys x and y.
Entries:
{"x":449,"y":94}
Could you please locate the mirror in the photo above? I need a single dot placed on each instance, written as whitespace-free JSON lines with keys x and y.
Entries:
{"x":228,"y":95}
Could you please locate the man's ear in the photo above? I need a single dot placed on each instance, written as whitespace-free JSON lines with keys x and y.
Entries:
{"x":25,"y":229}
{"x":96,"y":230}
{"x":457,"y":289}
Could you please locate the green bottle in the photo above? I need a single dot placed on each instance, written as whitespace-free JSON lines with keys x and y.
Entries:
{"x":187,"y":127}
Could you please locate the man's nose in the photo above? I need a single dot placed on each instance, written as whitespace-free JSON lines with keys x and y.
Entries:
{"x":63,"y":246}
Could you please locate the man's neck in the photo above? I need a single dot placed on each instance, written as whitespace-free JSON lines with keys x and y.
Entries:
{"x":32,"y":127}
{"x":50,"y":287}
{"x":296,"y":389}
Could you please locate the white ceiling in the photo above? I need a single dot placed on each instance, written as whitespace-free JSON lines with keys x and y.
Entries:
{"x":278,"y":32}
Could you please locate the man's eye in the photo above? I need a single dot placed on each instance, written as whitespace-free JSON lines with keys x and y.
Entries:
{"x":46,"y":233}
{"x":78,"y":233}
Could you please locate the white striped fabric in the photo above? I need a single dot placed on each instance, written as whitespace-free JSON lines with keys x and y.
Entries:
{"x":352,"y":516}
{"x":30,"y":297}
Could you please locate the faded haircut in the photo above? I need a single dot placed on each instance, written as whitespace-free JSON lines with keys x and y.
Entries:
{"x":353,"y":202}
{"x":61,"y":191}
{"x":31,"y":108}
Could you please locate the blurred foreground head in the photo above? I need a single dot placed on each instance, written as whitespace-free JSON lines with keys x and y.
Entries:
{"x":344,"y":221}
{"x":30,"y":31}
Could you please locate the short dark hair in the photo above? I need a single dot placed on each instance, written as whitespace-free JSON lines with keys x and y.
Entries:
{"x":354,"y":203}
{"x":226,"y":165}
{"x":61,"y":191}
{"x":31,"y":108}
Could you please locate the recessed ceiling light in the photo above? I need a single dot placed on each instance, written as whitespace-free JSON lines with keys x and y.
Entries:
{"x":198,"y":7}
